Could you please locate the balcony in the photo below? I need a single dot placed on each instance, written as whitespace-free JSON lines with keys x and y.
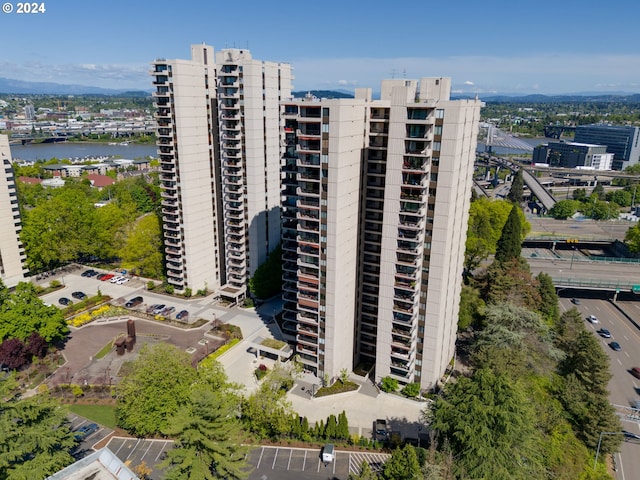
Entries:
{"x":307,"y":318}
{"x":307,"y":340}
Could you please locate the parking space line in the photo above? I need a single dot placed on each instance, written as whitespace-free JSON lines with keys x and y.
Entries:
{"x":275,"y":457}
{"x":134,"y":448}
{"x":289,"y":463}
{"x":619,"y":361}
{"x":304,"y":462}
{"x":145,"y":453}
{"x":627,"y":354}
{"x":260,"y":459}
{"x":162,"y":450}
{"x":120,"y":448}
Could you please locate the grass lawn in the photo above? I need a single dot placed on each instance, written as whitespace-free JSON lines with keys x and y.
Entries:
{"x":102,"y":414}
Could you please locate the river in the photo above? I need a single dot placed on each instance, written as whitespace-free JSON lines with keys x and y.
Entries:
{"x":46,"y":151}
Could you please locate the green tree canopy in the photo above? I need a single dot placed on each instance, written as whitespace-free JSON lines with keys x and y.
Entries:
{"x":490,"y":426}
{"x":632,"y":238}
{"x":36,"y":440}
{"x":403,"y":465}
{"x":22,"y":313}
{"x":267,"y":279}
{"x":208,"y":439}
{"x":142,"y":251}
{"x":158,"y":384}
{"x":565,"y":209}
{"x":517,"y":188}
{"x":510,"y":243}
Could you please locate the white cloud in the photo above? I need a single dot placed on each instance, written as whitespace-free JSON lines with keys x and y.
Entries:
{"x":469,"y":82}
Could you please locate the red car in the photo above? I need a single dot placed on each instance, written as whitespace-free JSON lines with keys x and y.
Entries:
{"x":108,"y":276}
{"x":635,"y":371}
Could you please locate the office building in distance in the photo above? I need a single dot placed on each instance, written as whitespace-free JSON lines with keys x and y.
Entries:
{"x":622,"y":141}
{"x":582,"y":156}
{"x":375,"y":206}
{"x":219,"y":149}
{"x":12,"y":256}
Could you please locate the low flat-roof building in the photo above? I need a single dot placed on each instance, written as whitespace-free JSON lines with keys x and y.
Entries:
{"x":100,"y":465}
{"x":583,"y":156}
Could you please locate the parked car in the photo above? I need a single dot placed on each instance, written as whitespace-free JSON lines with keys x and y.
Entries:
{"x":604,"y":333}
{"x":151,"y":308}
{"x":635,"y":371}
{"x":116,"y":279}
{"x":168,"y":311}
{"x":134,"y":302}
{"x":100,"y":276}
{"x":182,"y":315}
{"x":122,"y":281}
{"x":64,"y":301}
{"x":382,"y":430}
{"x":592,"y":319}
{"x":79,"y":295}
{"x":86,"y":430}
{"x":88,"y":273}
{"x":616,"y":346}
{"x":575,"y":301}
{"x":159,"y":308}
{"x":107,"y":276}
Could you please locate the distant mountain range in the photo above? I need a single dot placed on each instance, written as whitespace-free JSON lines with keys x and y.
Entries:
{"x":11,"y":86}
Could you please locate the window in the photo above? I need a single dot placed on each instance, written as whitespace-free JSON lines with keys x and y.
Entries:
{"x":325,"y":128}
{"x":437,"y":146}
{"x":437,"y":130}
{"x":440,"y":113}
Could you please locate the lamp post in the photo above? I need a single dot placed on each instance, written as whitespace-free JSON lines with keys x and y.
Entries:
{"x":573,"y":252}
{"x":599,"y":442}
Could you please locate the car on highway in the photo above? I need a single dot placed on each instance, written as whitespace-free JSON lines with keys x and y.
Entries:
{"x":134,"y":302}
{"x":615,"y":346}
{"x":64,"y":301}
{"x":635,"y":371}
{"x":604,"y":333}
{"x":630,"y":435}
{"x":86,"y":430}
{"x":79,"y":295}
{"x":575,"y":301}
{"x":182,"y":315}
{"x":592,"y":319}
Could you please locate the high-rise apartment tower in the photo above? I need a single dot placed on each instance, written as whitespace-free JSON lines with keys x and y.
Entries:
{"x":376,"y":200}
{"x":12,"y":256}
{"x":219,"y":149}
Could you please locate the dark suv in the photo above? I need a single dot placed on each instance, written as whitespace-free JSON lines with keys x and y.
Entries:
{"x":382,"y":432}
{"x":134,"y":302}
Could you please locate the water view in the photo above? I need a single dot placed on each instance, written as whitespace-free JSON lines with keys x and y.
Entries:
{"x":46,"y":151}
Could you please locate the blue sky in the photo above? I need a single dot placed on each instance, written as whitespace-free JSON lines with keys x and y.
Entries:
{"x":561,"y":46}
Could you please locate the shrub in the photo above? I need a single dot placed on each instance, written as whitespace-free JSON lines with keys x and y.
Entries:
{"x":389,"y":385}
{"x":168,"y":288}
{"x":187,"y":292}
{"x":55,"y":283}
{"x":77,"y":391}
{"x":411,"y":390}
{"x":151,"y":285}
{"x":261,"y":371}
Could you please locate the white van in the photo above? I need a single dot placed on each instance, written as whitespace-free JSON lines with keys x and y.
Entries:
{"x":327,"y":453}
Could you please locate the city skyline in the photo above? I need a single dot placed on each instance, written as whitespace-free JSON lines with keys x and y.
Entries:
{"x":486,"y":48}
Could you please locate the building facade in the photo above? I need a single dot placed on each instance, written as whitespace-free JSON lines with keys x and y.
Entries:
{"x":581,"y":156}
{"x":376,"y":198}
{"x":218,"y":145}
{"x":622,"y":141}
{"x":12,"y":257}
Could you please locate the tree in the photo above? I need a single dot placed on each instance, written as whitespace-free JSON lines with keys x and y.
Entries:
{"x":403,"y":465}
{"x":471,"y":308}
{"x":22,"y":313}
{"x":411,"y":390}
{"x":489,"y":424}
{"x":619,"y":197}
{"x":632,"y":238}
{"x":366,"y":473}
{"x":208,"y":443}
{"x":157,"y":386}
{"x":548,"y":298}
{"x":13,"y":353}
{"x":331,"y":428}
{"x":599,"y":190}
{"x":517,"y":188}
{"x":143,"y":248}
{"x":36,"y":440}
{"x":343,"y":426}
{"x":267,"y":279}
{"x":564,"y":209}
{"x":510,"y":243}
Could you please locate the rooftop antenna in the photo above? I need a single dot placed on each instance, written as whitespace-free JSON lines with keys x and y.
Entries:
{"x":404,"y":73}
{"x":393,"y":73}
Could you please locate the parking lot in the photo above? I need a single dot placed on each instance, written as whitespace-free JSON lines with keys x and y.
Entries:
{"x":134,"y":451}
{"x":288,"y":463}
{"x":86,"y":445}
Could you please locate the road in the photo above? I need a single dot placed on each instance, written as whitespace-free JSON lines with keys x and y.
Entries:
{"x":623,"y":388}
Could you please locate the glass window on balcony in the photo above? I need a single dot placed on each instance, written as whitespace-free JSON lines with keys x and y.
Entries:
{"x":416,"y":131}
{"x":417,"y":113}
